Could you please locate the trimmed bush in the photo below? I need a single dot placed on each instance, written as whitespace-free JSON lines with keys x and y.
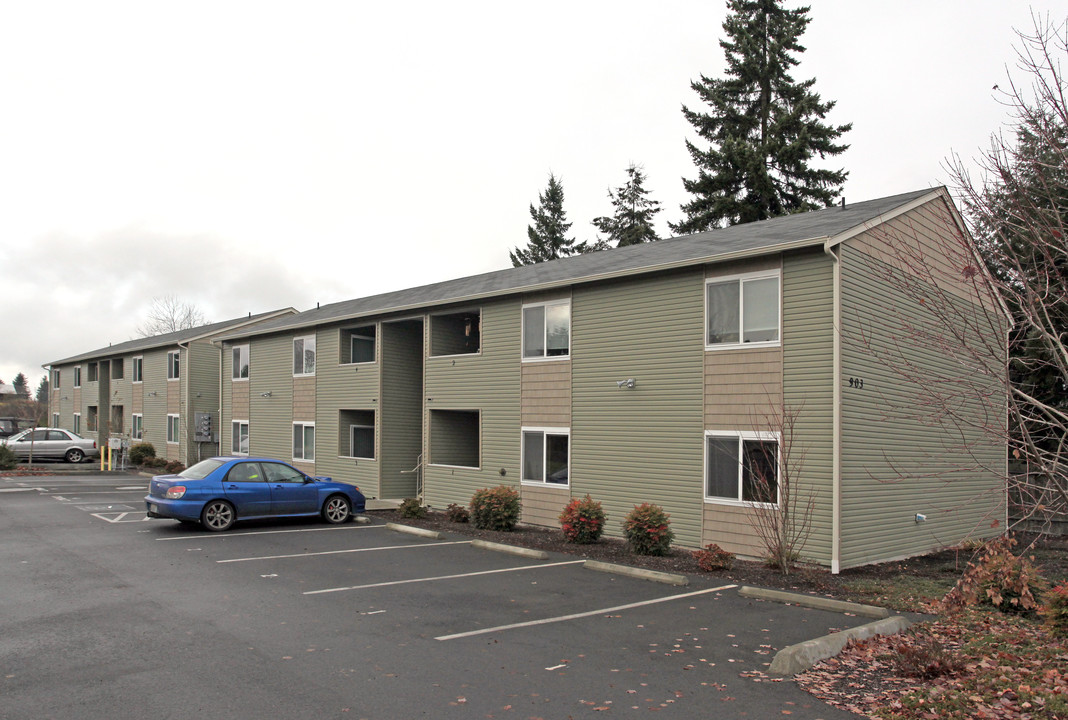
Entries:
{"x":173,"y":467}
{"x":1009,"y":582}
{"x":156,"y":462}
{"x":713,"y":557}
{"x":582,"y":520}
{"x":140,"y":452}
{"x":1055,"y":610}
{"x":496,"y":508}
{"x":411,"y":508}
{"x":8,"y":459}
{"x":457,"y":513}
{"x":648,"y":530}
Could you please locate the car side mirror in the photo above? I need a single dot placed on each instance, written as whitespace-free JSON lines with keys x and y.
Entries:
{"x":308,"y":479}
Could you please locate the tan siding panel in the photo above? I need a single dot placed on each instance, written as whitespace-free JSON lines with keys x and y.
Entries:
{"x":731,"y":528}
{"x":546,"y":393}
{"x":270,"y":429}
{"x":542,"y":505}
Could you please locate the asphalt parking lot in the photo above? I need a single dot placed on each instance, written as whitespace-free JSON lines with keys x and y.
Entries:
{"x":106,"y":614}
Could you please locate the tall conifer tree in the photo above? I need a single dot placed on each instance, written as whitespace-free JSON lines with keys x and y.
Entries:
{"x":547,"y":237}
{"x":763,"y":126}
{"x":632,"y":222}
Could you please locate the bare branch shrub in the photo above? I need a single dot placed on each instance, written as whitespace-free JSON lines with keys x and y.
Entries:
{"x":168,"y":314}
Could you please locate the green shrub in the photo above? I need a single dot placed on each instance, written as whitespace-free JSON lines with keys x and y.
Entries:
{"x":411,"y":508}
{"x":8,"y":459}
{"x":1055,"y":610}
{"x":648,"y":530}
{"x":457,"y":513}
{"x":173,"y":467}
{"x":1009,"y":582}
{"x":140,"y":452}
{"x":582,"y":520}
{"x":713,"y":557}
{"x":155,"y":462}
{"x":495,"y":508}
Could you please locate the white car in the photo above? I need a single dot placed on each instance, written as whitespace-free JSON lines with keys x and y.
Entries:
{"x":51,"y":444}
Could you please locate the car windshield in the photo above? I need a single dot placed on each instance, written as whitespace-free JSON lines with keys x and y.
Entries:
{"x":202,"y":469}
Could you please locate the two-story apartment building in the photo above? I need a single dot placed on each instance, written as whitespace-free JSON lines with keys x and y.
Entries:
{"x":658,"y":373}
{"x":152,"y":389}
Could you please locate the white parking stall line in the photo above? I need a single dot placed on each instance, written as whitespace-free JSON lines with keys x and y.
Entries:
{"x":575,"y":616}
{"x":340,"y":552}
{"x":441,"y":577}
{"x":121,"y":517}
{"x":219,"y":536}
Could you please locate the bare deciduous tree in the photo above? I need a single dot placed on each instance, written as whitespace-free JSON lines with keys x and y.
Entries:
{"x":169,"y":314}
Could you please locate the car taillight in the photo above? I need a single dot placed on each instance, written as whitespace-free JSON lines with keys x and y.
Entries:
{"x":175,"y":492}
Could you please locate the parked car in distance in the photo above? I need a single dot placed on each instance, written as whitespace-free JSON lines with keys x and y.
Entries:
{"x":219,"y":491}
{"x":51,"y":444}
{"x":11,"y":425}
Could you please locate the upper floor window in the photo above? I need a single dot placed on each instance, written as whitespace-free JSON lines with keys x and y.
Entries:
{"x":742,"y":310}
{"x":304,"y":355}
{"x":137,"y":369}
{"x":547,"y":330}
{"x":55,"y":379}
{"x":77,"y":377}
{"x":456,"y":333}
{"x":742,"y":467}
{"x":241,"y":365}
{"x":117,"y":369}
{"x":358,"y":345}
{"x":173,"y":365}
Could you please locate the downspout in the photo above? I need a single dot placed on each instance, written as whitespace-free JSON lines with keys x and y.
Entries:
{"x":219,"y":410}
{"x":183,"y":407}
{"x":836,"y":412}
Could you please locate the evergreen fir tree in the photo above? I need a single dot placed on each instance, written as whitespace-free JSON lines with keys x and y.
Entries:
{"x":19,"y":383}
{"x":42,"y":390}
{"x":547,"y":236}
{"x":763,"y":128}
{"x":632,"y":222}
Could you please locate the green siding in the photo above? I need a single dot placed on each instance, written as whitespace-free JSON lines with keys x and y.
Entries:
{"x":401,"y":424}
{"x":270,"y":428}
{"x":154,"y":411}
{"x":644,"y":444}
{"x":342,"y":387}
{"x":808,"y":384}
{"x":203,"y":369}
{"x":898,"y":459}
{"x":490,"y":383}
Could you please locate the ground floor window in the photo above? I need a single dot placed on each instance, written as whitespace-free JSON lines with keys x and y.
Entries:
{"x":55,"y":419}
{"x":304,"y":441}
{"x":546,"y":455}
{"x":455,"y":438}
{"x":357,"y":434}
{"x":91,"y":420}
{"x":173,"y":429}
{"x":137,"y":430}
{"x":77,"y":424}
{"x":742,"y":467}
{"x":239,"y":437}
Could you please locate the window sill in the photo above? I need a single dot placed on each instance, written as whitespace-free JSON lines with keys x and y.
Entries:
{"x":455,"y":467}
{"x":549,"y":485}
{"x":740,"y":503}
{"x":355,"y":457}
{"x":548,"y":358}
{"x":744,"y":346}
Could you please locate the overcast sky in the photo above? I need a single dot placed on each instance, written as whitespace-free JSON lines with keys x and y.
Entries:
{"x":248,"y":156}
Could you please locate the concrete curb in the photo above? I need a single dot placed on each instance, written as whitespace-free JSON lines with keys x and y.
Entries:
{"x":361,"y":520}
{"x":510,"y":549}
{"x":814,"y":601}
{"x":640,"y":573}
{"x":414,"y":531}
{"x":800,"y":657}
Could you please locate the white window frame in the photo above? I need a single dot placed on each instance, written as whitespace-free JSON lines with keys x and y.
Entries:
{"x":740,"y":436}
{"x":304,"y":449}
{"x":352,"y":336}
{"x":545,"y":431}
{"x":742,"y":279}
{"x":544,"y":357}
{"x":174,"y":365}
{"x":137,"y":369}
{"x":352,"y":441}
{"x":92,"y":370}
{"x":55,"y":420}
{"x":235,"y":356}
{"x":174,"y":429}
{"x":304,"y":339}
{"x":237,"y":425}
{"x":137,"y":426}
{"x":77,"y":425}
{"x":77,"y":376}
{"x":55,"y":379}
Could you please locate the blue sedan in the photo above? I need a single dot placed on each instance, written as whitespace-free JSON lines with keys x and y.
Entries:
{"x":220,"y":491}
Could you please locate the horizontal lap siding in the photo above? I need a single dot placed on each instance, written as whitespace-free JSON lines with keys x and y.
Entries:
{"x":546,"y":394}
{"x":644,"y":444}
{"x":270,"y":428}
{"x":743,"y":388}
{"x":401,"y":421}
{"x":808,"y":389}
{"x":542,"y":505}
{"x":731,"y":528}
{"x":898,"y":458}
{"x":155,"y":405}
{"x":204,"y":366}
{"x":343,"y":387}
{"x":490,"y":383}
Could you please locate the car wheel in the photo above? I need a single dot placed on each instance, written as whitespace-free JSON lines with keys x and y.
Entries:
{"x":337,"y":509}
{"x":75,"y":455}
{"x":217,"y":516}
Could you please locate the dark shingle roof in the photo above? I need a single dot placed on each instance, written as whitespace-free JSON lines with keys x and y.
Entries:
{"x":173,"y":338}
{"x":736,"y":241}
